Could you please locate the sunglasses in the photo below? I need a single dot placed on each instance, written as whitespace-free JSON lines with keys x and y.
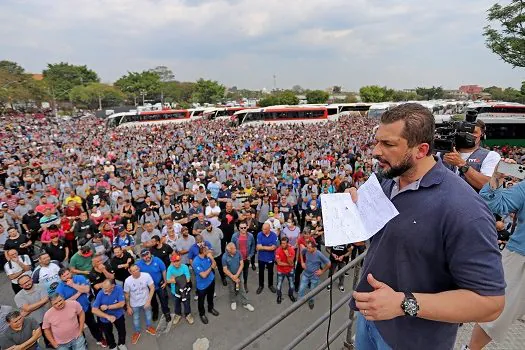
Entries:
{"x":243,"y":228}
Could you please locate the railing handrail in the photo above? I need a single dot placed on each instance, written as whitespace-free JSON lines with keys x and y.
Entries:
{"x":292,"y":308}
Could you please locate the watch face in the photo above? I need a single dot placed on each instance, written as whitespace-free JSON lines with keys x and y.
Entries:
{"x":410,"y":307}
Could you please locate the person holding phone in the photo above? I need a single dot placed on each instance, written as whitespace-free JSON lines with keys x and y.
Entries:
{"x":503,"y":201}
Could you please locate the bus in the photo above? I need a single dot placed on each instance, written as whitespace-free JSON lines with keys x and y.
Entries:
{"x":221,"y":113}
{"x":281,"y":115}
{"x":498,"y":109}
{"x":136,"y":118}
{"x":377,"y":109}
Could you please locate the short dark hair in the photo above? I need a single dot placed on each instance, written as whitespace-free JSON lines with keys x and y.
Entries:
{"x":62,"y":271}
{"x":419,"y":123}
{"x":12,"y":315}
{"x":481,"y":124}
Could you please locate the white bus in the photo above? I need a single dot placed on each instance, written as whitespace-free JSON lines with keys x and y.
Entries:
{"x":281,"y":115}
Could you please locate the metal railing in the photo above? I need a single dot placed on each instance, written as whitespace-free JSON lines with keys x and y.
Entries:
{"x":348,"y":325}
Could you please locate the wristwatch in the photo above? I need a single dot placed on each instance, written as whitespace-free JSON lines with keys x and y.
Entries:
{"x":463,"y":169}
{"x":409,"y":305}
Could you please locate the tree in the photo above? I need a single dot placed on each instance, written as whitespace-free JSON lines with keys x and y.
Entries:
{"x":508,"y":41}
{"x":317,"y":96}
{"x":287,"y":97}
{"x":208,"y":91}
{"x":297,"y":89}
{"x":62,"y":77}
{"x":269,"y":101}
{"x":96,"y":95}
{"x":17,"y":87}
{"x":135,"y":84}
{"x":432,"y":93}
{"x":165,"y":74}
{"x":336,"y":89}
{"x":375,"y":93}
{"x":175,"y":91}
{"x":11,"y":67}
{"x":351,"y":98}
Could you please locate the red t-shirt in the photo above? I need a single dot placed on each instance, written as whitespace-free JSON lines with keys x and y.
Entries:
{"x":279,"y":254}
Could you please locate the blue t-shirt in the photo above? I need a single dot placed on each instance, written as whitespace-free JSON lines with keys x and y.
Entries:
{"x":267,"y":241}
{"x":314,"y":261}
{"x":194,"y":250}
{"x":155,"y":269}
{"x":115,"y":297}
{"x":214,"y":189}
{"x":176,"y":272}
{"x":232,"y":262}
{"x":128,"y":241}
{"x":67,"y":292}
{"x":201,"y":265}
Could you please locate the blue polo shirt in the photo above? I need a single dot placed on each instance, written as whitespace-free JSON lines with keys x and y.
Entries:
{"x":154,"y":268}
{"x":115,"y":297}
{"x":266,"y":241}
{"x":200,"y":265}
{"x":232,"y":262}
{"x":194,"y":250}
{"x":444,"y":238}
{"x":67,"y":292}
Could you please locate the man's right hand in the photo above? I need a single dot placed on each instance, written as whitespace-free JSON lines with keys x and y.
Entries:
{"x":495,"y":180}
{"x":353,"y":193}
{"x":111,"y":318}
{"x":129,"y":310}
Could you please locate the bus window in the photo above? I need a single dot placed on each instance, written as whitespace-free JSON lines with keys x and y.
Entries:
{"x":332,"y":111}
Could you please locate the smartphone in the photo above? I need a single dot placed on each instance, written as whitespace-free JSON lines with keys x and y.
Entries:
{"x":514,"y":170}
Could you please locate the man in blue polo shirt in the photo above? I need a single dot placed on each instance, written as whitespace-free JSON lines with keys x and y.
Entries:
{"x":157,"y":270}
{"x":203,"y":265}
{"x":437,"y":263}
{"x":77,"y":287}
{"x":199,"y":242}
{"x":266,"y":246}
{"x":109,"y":307}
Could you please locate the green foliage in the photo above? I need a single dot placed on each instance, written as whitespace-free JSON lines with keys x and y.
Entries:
{"x":286,"y":97}
{"x":165,"y":74}
{"x":297,"y":89}
{"x":134,"y":84}
{"x":62,"y":77}
{"x":508,"y":41}
{"x":175,"y":91}
{"x":18,"y":87}
{"x":351,"y":98}
{"x":96,"y":95}
{"x":11,"y":68}
{"x":509,"y":94}
{"x":208,"y":91}
{"x":399,"y":96}
{"x":433,"y":93}
{"x":317,"y":96}
{"x":375,"y":93}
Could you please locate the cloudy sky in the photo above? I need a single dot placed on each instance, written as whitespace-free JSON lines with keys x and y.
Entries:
{"x":312,"y":43}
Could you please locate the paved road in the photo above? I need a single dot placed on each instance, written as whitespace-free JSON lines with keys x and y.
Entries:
{"x":230,"y":327}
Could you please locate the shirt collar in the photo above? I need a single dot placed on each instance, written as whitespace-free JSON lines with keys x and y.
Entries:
{"x":433,"y":177}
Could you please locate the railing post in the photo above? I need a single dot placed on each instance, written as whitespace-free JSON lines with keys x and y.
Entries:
{"x":349,"y":343}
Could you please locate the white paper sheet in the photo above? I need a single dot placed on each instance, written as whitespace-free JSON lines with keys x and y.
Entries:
{"x":375,"y":209}
{"x":345,"y":222}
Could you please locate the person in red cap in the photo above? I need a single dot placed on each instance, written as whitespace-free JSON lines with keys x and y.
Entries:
{"x":179,"y":278}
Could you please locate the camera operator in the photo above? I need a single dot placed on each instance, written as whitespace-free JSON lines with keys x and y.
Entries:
{"x":475,"y":164}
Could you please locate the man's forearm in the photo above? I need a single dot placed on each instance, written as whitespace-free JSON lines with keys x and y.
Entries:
{"x":50,"y":337}
{"x":458,"y":306}
{"x":476,"y":179}
{"x":37,"y":333}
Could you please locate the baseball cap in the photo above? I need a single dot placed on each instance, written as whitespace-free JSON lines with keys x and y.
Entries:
{"x":4,"y":205}
{"x":144,"y":252}
{"x":270,"y":213}
{"x":207,"y":223}
{"x":175,"y":257}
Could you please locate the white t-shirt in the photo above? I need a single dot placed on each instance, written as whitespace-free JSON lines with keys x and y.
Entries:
{"x":138,"y":289}
{"x":489,"y":163}
{"x":15,"y":268}
{"x":48,"y":277}
{"x":214,"y":220}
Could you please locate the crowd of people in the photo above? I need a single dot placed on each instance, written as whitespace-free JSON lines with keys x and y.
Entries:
{"x":99,"y":224}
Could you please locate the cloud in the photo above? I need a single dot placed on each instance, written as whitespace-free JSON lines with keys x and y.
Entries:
{"x":244,"y":42}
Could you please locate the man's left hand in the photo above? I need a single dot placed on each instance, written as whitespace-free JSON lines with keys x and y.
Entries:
{"x":454,"y":158}
{"x":383,"y":303}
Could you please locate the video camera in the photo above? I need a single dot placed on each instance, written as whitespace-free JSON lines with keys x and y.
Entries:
{"x":458,"y":134}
